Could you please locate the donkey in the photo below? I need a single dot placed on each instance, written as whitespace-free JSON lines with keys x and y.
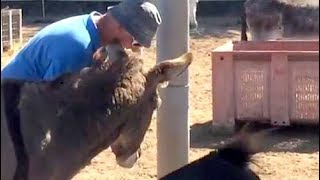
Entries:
{"x":275,"y":19}
{"x":59,"y":126}
{"x":228,"y":162}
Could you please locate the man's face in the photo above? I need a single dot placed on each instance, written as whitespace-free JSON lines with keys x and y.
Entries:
{"x":125,"y":38}
{"x":128,"y":41}
{"x":112,"y":31}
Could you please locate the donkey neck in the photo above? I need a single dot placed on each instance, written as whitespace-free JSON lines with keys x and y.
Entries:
{"x":300,"y":19}
{"x":63,"y":130}
{"x":80,"y":121}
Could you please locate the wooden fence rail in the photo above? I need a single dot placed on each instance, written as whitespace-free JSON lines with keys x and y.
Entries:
{"x":11,"y":28}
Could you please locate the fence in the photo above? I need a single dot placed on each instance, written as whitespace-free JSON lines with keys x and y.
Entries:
{"x":11,"y":28}
{"x":43,"y":2}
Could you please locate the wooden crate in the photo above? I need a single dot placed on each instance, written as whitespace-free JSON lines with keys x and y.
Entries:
{"x":11,"y":28}
{"x":274,"y":82}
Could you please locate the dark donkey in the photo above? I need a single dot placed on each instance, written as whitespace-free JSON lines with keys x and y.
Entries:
{"x":275,"y":19}
{"x":229,"y":162}
{"x":63,"y":124}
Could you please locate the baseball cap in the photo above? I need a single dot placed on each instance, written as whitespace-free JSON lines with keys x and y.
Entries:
{"x":140,"y":18}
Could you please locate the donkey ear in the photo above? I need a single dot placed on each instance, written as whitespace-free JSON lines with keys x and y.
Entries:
{"x":169,"y":69}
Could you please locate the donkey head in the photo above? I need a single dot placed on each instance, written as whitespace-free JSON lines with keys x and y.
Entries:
{"x":137,"y":95}
{"x":264,"y":19}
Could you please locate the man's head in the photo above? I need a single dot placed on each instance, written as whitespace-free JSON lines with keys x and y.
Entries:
{"x":132,"y":22}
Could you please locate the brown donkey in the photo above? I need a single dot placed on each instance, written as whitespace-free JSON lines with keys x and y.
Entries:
{"x":61,"y":125}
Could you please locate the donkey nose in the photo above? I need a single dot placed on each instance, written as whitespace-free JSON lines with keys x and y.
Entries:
{"x":130,"y":161}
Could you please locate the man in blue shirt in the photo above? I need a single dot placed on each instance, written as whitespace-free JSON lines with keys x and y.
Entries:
{"x":69,"y":44}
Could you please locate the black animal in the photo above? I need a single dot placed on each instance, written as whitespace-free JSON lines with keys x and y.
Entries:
{"x":227,"y":163}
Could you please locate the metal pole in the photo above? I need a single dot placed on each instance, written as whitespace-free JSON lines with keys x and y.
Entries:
{"x":10,"y":30}
{"x":20,"y":27}
{"x":173,"y":118}
{"x":1,"y":35}
{"x":43,"y":9}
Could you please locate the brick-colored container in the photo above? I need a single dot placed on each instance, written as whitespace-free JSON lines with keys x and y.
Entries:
{"x":273,"y":82}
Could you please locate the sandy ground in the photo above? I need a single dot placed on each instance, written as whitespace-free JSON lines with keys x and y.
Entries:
{"x":293,"y":153}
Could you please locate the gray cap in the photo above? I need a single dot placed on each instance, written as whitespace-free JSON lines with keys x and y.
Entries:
{"x":141,"y":19}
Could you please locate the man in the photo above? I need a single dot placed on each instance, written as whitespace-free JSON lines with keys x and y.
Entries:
{"x":69,"y":44}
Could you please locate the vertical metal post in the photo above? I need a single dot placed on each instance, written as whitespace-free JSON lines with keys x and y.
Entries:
{"x":20,"y":27}
{"x":173,"y":118}
{"x":10,"y":30}
{"x":1,"y":34}
{"x":43,"y":9}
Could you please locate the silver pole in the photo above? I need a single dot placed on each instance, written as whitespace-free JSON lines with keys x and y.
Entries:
{"x":43,"y":9}
{"x":1,"y":36}
{"x":173,"y":118}
{"x":10,"y":29}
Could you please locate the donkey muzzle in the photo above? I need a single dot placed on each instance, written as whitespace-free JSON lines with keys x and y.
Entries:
{"x":130,"y":161}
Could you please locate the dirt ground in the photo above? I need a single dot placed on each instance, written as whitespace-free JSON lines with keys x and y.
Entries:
{"x":293,"y":153}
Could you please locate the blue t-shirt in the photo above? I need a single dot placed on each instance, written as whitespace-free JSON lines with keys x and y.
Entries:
{"x":64,"y":46}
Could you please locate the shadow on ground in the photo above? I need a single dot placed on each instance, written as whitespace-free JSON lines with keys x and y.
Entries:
{"x":301,"y":139}
{"x":218,"y":27}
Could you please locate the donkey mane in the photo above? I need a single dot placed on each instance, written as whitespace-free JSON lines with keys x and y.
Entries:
{"x":113,"y":81}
